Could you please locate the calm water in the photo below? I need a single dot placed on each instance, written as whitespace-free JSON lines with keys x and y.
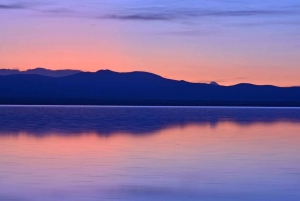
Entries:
{"x":141,"y":154}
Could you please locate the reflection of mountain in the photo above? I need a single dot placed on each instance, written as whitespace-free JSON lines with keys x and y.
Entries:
{"x":136,"y":88}
{"x":106,"y":121}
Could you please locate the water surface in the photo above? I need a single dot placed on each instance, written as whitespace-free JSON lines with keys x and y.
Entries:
{"x":149,"y":153}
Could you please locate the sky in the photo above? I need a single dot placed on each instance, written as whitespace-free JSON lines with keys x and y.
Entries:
{"x":227,"y":41}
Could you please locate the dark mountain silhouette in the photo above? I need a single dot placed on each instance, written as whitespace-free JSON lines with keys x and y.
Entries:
{"x":106,"y":87}
{"x":214,"y":83}
{"x":9,"y":71}
{"x":40,"y":71}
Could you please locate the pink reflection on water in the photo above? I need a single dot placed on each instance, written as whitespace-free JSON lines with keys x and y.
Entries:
{"x":198,"y":161}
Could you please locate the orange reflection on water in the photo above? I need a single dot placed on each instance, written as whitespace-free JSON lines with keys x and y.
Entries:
{"x":223,"y":137}
{"x":222,"y":157}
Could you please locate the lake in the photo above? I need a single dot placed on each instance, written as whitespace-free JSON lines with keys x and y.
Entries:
{"x":59,"y":153}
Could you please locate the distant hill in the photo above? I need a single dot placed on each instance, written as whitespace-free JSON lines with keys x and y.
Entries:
{"x":40,"y":71}
{"x":106,"y":87}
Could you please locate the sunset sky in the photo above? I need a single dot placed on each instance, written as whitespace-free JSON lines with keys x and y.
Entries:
{"x":228,"y":41}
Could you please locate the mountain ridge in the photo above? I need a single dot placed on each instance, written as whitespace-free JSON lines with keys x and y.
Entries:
{"x":106,"y":87}
{"x":40,"y":71}
{"x":70,"y":72}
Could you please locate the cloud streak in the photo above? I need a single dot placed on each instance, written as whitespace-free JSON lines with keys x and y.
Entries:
{"x":59,"y":11}
{"x":187,"y":14}
{"x":139,"y":17}
{"x":14,"y":6}
{"x":164,"y":13}
{"x":43,"y":8}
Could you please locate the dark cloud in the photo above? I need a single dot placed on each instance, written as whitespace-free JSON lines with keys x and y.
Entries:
{"x":146,"y":17}
{"x":185,"y":14}
{"x":14,"y":6}
{"x":45,"y":8}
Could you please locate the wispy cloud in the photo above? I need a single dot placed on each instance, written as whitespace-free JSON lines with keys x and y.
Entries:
{"x":58,"y":11}
{"x":14,"y":6}
{"x":145,"y":17}
{"x":268,"y":23}
{"x":186,"y":14}
{"x":165,"y":13}
{"x":45,"y":8}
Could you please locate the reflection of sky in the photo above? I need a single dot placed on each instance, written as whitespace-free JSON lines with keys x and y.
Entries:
{"x":227,"y":162}
{"x":197,"y":40}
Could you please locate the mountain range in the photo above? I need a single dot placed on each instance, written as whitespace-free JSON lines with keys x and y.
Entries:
{"x":40,"y":71}
{"x":105,"y":87}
